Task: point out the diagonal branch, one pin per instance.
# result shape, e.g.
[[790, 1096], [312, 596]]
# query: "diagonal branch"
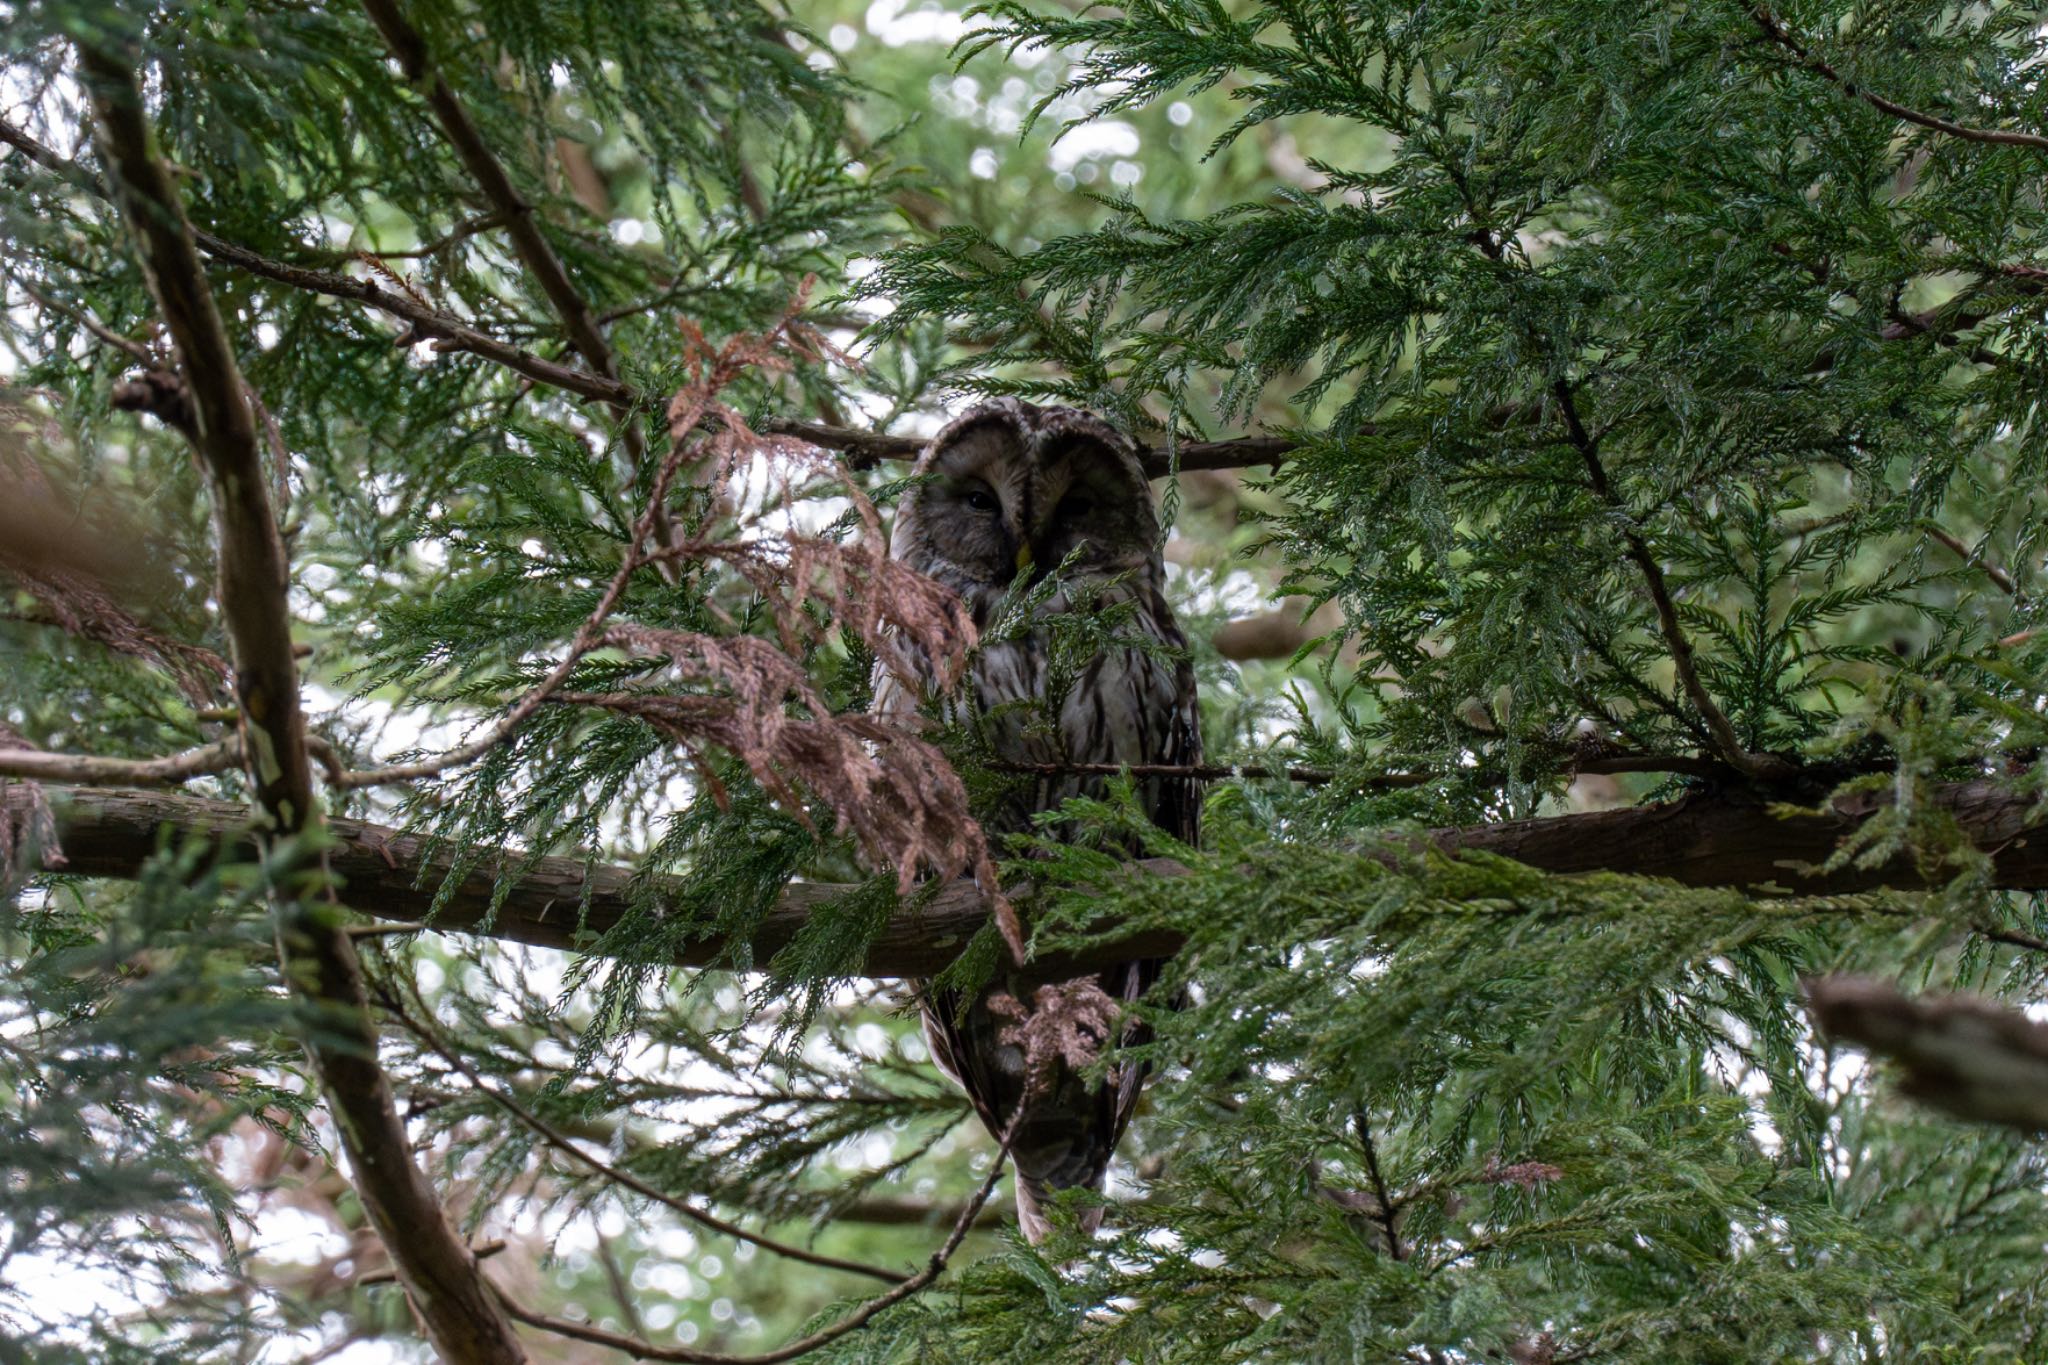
[[425, 323], [437, 1267], [1974, 558], [1972, 1057], [1719, 727], [520, 222], [1783, 37]]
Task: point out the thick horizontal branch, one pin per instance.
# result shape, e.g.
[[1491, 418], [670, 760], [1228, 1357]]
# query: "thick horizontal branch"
[[563, 903], [866, 449]]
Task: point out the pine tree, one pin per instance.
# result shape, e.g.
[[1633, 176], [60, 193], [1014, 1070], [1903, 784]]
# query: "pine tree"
[[460, 900]]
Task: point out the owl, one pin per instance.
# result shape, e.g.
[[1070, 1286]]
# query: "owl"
[[1014, 492]]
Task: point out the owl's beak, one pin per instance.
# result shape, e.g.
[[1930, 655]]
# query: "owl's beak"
[[1024, 558]]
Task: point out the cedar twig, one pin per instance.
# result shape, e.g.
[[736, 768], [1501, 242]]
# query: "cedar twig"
[[1387, 1214], [1783, 37], [641, 1349], [866, 449], [128, 346]]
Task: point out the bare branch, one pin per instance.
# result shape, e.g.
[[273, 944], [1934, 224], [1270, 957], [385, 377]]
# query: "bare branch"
[[1780, 35], [1971, 1057], [1973, 558], [87, 770], [438, 1268]]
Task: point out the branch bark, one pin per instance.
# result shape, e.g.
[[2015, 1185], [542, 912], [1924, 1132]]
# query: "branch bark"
[[1972, 1057], [565, 903], [866, 449], [464, 1320], [521, 225]]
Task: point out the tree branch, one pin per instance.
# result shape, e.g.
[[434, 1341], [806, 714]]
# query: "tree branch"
[[1973, 558], [415, 1020], [561, 902], [521, 224], [1719, 728], [425, 323], [89, 771], [1971, 1057], [866, 449], [437, 1267], [1778, 34]]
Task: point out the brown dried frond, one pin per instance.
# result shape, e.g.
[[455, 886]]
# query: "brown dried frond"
[[893, 792], [25, 819], [1527, 1174], [1066, 1024], [906, 619]]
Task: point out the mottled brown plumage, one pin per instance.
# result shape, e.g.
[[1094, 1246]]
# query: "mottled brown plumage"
[[1015, 489]]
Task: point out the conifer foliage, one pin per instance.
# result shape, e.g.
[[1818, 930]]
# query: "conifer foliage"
[[446, 455]]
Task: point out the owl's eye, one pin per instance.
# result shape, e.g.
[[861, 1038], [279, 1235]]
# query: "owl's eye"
[[981, 500], [1076, 507]]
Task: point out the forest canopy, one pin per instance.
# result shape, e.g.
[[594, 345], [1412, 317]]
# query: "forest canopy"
[[463, 902]]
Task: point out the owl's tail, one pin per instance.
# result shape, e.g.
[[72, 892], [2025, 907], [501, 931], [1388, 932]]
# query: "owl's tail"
[[1032, 1195]]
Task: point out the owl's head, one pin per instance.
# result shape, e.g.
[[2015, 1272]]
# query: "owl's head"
[[1015, 489]]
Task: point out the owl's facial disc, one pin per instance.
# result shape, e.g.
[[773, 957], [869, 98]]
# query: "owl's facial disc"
[[1009, 498], [973, 509], [1088, 503]]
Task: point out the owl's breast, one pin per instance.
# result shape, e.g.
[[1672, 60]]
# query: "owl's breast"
[[1130, 704]]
